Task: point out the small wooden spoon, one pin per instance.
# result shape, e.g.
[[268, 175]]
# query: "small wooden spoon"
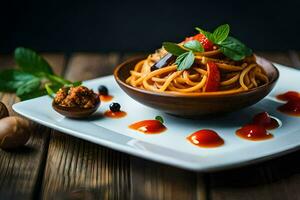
[[75, 112]]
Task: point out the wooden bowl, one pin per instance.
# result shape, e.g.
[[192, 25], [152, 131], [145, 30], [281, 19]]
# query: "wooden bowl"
[[195, 105], [74, 112]]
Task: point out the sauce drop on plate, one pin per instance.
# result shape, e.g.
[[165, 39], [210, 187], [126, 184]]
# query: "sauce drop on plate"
[[118, 114], [292, 106], [265, 120], [206, 138], [148, 126], [289, 96], [253, 132], [106, 98]]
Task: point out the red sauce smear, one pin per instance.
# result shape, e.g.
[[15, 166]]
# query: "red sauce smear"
[[118, 114], [292, 106], [289, 96], [106, 98], [206, 138], [265, 120], [253, 132], [148, 126]]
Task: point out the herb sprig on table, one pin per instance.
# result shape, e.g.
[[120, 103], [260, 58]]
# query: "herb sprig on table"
[[33, 76], [228, 45]]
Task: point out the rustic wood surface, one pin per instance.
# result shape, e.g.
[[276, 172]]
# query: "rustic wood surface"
[[54, 165], [22, 171]]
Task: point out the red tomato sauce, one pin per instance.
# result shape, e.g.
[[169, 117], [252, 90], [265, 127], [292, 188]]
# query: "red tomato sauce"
[[106, 98], [265, 120], [148, 126], [253, 132], [118, 114], [289, 96], [206, 138], [292, 106]]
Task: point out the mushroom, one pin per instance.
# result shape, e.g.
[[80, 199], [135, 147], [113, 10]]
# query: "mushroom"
[[3, 111], [14, 132]]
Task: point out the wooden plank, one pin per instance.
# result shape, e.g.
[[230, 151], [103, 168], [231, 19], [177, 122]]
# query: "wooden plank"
[[83, 66], [295, 58], [76, 168], [21, 171], [56, 60], [275, 179], [278, 57], [152, 180]]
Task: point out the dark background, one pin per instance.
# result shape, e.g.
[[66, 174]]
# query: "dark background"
[[143, 25]]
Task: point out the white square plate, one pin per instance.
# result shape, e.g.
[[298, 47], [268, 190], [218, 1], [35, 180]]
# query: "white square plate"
[[171, 146]]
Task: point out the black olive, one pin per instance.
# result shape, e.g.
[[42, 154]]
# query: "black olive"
[[102, 90], [115, 107]]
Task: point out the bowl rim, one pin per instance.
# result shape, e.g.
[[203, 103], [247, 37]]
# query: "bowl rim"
[[191, 95]]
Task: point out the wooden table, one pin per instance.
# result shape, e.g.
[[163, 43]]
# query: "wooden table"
[[54, 165]]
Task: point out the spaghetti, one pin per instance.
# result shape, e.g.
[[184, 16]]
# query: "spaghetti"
[[211, 71]]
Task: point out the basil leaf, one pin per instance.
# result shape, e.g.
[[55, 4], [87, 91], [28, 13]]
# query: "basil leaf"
[[232, 54], [33, 94], [159, 118], [207, 34], [234, 49], [194, 45], [28, 88], [173, 48], [12, 79], [185, 60], [221, 33], [30, 61]]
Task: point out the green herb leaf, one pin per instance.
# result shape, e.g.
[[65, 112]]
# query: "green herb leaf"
[[33, 94], [58, 80], [194, 45], [30, 61], [234, 49], [28, 88], [12, 79], [173, 48], [207, 34], [49, 90], [74, 84], [77, 83], [221, 33], [34, 70], [185, 60], [159, 118], [232, 54]]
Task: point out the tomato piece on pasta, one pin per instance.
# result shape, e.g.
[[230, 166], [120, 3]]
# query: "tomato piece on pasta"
[[207, 44], [213, 77]]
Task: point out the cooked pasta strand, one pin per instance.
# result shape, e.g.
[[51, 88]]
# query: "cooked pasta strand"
[[236, 76]]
